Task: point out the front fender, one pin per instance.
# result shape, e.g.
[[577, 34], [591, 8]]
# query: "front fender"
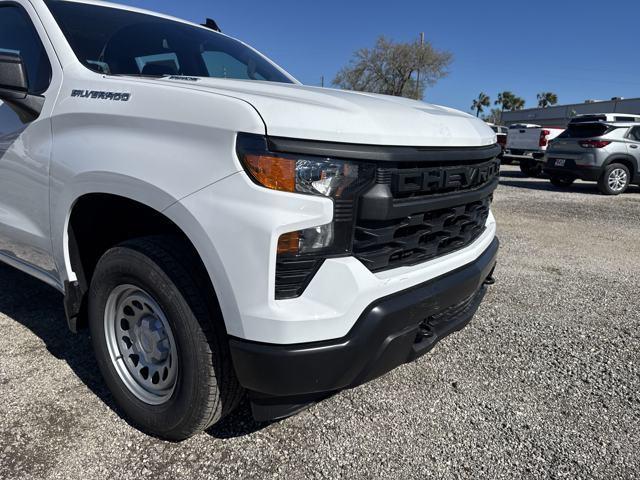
[[67, 195]]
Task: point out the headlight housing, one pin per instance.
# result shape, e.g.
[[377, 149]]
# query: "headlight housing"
[[340, 180]]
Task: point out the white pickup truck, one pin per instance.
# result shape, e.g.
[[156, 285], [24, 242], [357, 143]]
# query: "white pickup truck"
[[223, 229], [527, 143]]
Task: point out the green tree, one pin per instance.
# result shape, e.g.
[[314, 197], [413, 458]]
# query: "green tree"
[[508, 101], [392, 68], [518, 103], [546, 99], [479, 103]]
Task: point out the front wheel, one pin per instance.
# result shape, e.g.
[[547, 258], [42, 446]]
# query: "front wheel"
[[531, 168], [614, 180], [160, 348]]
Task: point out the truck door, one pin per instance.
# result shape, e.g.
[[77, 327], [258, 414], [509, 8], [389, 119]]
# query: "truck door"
[[25, 148]]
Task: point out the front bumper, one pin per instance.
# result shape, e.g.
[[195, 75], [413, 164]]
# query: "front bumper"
[[391, 331]]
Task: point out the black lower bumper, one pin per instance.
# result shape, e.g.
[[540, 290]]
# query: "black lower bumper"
[[572, 170], [397, 329]]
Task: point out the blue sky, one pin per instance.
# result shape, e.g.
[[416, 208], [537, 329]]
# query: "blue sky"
[[574, 48]]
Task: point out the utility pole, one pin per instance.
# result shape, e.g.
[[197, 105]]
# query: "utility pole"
[[322, 81], [418, 82]]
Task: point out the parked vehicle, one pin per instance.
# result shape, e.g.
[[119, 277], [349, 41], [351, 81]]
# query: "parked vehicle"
[[221, 227], [501, 138], [527, 143], [604, 151]]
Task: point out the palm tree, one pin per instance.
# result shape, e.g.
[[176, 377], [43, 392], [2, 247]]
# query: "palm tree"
[[546, 99], [505, 100], [479, 103], [517, 103], [508, 101]]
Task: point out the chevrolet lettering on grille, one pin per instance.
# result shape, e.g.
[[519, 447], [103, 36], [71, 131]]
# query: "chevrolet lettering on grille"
[[430, 180]]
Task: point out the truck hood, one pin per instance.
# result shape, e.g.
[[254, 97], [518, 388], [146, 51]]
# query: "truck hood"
[[297, 111]]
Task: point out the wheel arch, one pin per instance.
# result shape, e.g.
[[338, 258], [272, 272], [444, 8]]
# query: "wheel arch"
[[628, 161], [86, 237]]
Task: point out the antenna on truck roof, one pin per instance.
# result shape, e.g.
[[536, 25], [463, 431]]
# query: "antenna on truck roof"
[[211, 24]]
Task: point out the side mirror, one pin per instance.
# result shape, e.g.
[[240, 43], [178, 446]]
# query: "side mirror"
[[13, 77], [14, 88]]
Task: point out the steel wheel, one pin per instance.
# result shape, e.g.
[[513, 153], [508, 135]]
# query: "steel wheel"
[[141, 344], [617, 180]]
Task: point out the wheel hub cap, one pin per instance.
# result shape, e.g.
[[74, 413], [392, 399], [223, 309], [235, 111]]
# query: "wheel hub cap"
[[141, 344], [617, 179]]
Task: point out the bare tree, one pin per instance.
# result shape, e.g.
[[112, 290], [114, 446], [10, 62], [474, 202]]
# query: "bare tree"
[[495, 116], [392, 68]]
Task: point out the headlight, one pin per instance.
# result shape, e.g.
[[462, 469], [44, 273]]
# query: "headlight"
[[340, 180], [315, 176]]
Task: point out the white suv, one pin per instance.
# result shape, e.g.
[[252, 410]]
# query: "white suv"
[[222, 228]]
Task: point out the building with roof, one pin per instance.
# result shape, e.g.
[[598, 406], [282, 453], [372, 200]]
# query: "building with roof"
[[559, 115]]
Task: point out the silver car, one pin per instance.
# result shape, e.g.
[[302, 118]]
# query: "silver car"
[[607, 152]]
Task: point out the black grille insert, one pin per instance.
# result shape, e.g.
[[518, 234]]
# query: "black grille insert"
[[419, 211], [381, 245]]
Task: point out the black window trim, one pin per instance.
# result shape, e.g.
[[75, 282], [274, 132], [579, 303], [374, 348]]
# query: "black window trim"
[[24, 12]]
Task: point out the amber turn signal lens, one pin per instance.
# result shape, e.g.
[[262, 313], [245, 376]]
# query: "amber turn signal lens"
[[289, 243], [276, 173]]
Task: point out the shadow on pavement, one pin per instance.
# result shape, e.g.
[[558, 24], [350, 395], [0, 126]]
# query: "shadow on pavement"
[[39, 308], [511, 174], [544, 185], [238, 424]]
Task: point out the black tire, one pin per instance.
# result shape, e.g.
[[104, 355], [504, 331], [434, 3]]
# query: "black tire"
[[604, 184], [531, 168], [506, 160], [206, 388], [562, 182]]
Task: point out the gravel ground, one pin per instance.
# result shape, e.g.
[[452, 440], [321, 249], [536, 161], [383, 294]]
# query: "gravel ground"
[[544, 383]]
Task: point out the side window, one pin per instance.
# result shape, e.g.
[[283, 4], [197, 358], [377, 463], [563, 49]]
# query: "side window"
[[18, 35], [634, 134], [223, 65]]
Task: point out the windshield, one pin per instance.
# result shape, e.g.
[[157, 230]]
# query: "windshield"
[[119, 42]]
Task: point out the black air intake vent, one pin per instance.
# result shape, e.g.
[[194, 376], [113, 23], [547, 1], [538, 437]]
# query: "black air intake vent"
[[293, 276]]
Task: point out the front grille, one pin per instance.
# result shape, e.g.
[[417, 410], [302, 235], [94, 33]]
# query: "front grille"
[[414, 214], [381, 245]]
